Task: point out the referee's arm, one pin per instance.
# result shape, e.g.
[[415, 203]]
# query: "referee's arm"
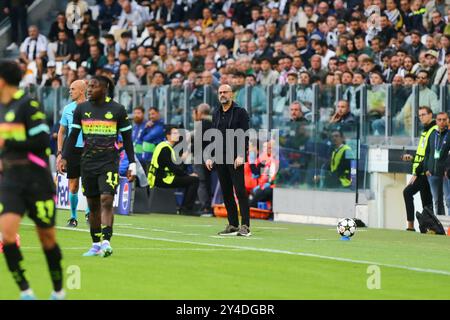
[[72, 138]]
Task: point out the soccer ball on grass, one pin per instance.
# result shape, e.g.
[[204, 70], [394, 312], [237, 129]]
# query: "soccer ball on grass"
[[346, 227]]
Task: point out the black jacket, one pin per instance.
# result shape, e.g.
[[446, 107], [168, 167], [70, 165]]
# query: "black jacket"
[[165, 160], [239, 119], [437, 167]]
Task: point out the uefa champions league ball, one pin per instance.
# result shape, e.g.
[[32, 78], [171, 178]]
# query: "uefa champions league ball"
[[346, 227]]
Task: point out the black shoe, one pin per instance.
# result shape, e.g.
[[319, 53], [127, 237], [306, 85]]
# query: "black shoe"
[[244, 231], [229, 231], [189, 212], [410, 229], [72, 223]]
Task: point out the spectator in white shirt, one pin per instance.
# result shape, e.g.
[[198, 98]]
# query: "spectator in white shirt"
[[34, 47], [323, 51], [74, 12], [131, 16]]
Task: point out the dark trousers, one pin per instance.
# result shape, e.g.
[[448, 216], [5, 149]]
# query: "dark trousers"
[[189, 183], [420, 185], [229, 178], [18, 16], [204, 188]]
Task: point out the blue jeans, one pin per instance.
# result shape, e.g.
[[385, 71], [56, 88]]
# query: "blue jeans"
[[440, 189]]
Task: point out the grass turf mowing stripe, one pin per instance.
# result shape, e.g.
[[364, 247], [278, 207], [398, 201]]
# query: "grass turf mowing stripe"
[[266, 250]]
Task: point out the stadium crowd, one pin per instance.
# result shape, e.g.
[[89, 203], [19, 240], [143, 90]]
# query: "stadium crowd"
[[252, 43]]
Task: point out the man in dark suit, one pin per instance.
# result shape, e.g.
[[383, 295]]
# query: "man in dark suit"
[[229, 118], [171, 13]]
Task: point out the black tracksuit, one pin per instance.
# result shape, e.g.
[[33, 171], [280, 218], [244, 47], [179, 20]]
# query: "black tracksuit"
[[181, 180], [229, 177], [420, 185]]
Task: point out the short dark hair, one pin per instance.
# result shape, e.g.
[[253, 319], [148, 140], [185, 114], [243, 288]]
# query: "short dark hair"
[[426, 108], [10, 72], [139, 108], [154, 109], [107, 83], [168, 129], [426, 72]]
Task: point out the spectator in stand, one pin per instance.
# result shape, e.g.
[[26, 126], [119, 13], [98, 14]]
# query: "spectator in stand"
[[75, 10], [96, 61], [82, 73], [441, 74], [304, 91], [316, 68], [376, 102], [393, 70], [18, 14], [343, 119], [416, 45], [152, 135], [427, 98], [267, 76], [437, 24], [414, 18], [81, 49], [296, 114], [65, 47], [34, 48], [131, 16], [88, 26], [265, 169], [432, 64], [171, 13], [59, 25], [49, 75], [109, 13]]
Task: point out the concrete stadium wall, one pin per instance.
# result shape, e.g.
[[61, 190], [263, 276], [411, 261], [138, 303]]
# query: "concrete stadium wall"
[[380, 206]]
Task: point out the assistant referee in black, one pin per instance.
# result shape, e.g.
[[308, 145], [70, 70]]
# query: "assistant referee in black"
[[230, 117]]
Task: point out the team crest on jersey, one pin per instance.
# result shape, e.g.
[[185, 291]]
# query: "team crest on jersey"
[[109, 115], [10, 116], [88, 114]]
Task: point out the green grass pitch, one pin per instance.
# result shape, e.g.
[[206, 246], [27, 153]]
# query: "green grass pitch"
[[178, 257]]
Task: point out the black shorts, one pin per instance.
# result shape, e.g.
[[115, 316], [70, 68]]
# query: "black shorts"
[[74, 164], [105, 182], [29, 189]]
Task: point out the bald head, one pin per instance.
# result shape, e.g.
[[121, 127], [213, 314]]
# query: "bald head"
[[78, 91], [225, 95]]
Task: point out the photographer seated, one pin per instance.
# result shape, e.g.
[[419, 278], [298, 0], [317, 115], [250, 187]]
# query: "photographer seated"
[[164, 171]]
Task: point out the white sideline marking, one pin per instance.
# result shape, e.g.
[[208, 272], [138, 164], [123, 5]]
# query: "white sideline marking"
[[235, 237], [197, 225], [357, 230], [267, 250], [150, 249], [158, 230], [167, 231]]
